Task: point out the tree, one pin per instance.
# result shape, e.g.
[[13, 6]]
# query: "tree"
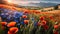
[[56, 7]]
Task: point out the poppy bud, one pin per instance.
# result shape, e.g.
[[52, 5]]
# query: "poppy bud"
[[3, 23], [24, 16], [11, 24], [26, 21], [55, 26], [42, 18]]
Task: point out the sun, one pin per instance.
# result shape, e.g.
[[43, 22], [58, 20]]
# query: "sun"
[[8, 1]]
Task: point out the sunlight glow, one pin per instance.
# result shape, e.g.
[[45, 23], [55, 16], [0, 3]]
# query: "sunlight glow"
[[8, 1]]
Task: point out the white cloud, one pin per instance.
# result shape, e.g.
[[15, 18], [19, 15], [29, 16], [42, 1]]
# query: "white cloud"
[[21, 2], [27, 2], [24, 2]]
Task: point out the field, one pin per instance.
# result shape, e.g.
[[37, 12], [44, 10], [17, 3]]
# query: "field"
[[15, 20]]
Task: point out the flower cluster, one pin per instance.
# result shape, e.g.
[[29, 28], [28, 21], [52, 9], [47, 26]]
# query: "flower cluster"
[[27, 22]]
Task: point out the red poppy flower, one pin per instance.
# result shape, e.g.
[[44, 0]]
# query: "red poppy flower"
[[26, 11], [13, 8], [11, 24], [13, 30], [37, 12], [3, 23], [56, 32], [43, 22], [10, 33], [55, 26], [46, 27], [51, 17], [26, 21], [33, 11], [24, 16], [1, 6], [42, 18]]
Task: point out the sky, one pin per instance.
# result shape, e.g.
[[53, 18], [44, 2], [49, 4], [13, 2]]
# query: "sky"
[[39, 0], [35, 1], [26, 2]]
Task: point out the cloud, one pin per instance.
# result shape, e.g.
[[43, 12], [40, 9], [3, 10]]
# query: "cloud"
[[26, 2]]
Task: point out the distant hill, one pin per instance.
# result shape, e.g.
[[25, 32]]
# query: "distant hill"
[[41, 4], [49, 0]]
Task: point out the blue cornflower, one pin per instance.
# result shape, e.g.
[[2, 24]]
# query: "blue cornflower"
[[17, 20], [8, 18], [3, 15], [5, 10], [22, 23]]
